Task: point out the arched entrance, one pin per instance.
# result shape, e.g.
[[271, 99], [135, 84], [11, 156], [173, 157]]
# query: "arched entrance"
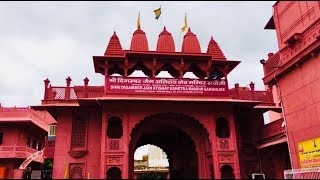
[[114, 173], [183, 138]]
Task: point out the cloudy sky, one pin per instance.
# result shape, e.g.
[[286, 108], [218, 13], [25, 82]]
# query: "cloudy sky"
[[54, 40]]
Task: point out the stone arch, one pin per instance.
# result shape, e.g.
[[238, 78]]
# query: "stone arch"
[[227, 172], [178, 123], [114, 173], [198, 123]]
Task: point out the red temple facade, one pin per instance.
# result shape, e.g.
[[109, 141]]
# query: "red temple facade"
[[293, 75], [207, 129]]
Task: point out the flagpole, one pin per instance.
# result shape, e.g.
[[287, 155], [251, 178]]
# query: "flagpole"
[[161, 16]]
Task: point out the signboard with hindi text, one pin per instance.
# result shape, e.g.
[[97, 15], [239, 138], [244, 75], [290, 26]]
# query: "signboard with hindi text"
[[167, 86], [309, 153]]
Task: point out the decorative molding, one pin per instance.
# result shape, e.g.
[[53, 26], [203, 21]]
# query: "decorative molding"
[[110, 160], [308, 38], [77, 153], [225, 158]]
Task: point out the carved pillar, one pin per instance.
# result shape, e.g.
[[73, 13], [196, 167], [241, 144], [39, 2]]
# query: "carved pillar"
[[106, 74], [225, 72], [126, 67], [67, 92], [208, 68], [181, 68], [103, 144], [46, 84], [233, 140], [125, 124], [85, 88], [213, 138], [154, 67], [252, 90]]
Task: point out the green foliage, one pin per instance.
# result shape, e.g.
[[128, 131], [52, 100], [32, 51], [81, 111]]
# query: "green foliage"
[[47, 165], [152, 175]]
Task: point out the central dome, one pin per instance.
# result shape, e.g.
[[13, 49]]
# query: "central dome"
[[165, 42], [190, 43]]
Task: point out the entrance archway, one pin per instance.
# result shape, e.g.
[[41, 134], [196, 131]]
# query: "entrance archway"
[[114, 173], [184, 139]]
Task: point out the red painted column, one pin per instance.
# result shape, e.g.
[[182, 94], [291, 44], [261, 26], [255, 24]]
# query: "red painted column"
[[233, 139], [103, 144], [214, 145]]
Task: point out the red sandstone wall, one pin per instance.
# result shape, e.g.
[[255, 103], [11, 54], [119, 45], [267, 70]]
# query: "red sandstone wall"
[[10, 134], [294, 17], [300, 90], [10, 164], [63, 140], [14, 134]]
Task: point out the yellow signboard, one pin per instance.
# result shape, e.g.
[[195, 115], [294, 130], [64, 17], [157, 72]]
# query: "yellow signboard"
[[309, 153]]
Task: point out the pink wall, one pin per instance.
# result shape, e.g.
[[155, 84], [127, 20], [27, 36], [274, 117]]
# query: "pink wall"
[[16, 134], [10, 133], [132, 114], [294, 17], [300, 90], [10, 164], [63, 140]]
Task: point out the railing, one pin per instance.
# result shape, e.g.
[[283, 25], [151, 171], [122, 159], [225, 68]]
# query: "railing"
[[24, 112], [71, 93], [224, 144], [243, 93], [16, 151], [114, 144], [272, 129], [272, 63]]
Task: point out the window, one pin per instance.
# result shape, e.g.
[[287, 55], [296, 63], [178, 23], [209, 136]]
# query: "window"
[[114, 129], [39, 147], [1, 137], [52, 130], [28, 141], [34, 144], [222, 128]]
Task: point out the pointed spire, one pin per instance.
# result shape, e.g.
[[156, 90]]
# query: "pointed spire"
[[114, 47], [138, 22], [214, 50]]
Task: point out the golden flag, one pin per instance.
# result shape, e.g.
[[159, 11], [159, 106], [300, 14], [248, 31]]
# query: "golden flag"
[[66, 173], [157, 13], [183, 29], [138, 22]]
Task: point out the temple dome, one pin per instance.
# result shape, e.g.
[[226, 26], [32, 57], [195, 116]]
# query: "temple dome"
[[214, 50], [165, 42], [139, 41], [190, 43], [114, 47]]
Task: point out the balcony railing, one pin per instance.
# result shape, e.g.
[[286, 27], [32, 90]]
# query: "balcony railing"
[[114, 144], [16, 152], [224, 144], [272, 129], [25, 112], [71, 93], [247, 94]]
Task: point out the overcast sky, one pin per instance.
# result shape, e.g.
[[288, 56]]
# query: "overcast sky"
[[54, 40]]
